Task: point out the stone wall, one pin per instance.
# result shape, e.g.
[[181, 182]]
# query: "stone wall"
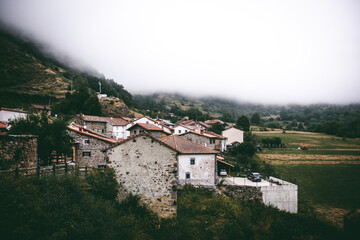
[[244, 193], [18, 151], [147, 168], [99, 127], [95, 148], [198, 139]]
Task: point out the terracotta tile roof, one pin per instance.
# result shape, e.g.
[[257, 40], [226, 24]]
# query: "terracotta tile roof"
[[3, 125], [147, 126], [140, 135], [110, 120], [127, 119], [221, 159], [77, 128], [12, 110], [185, 146], [41, 107], [189, 122]]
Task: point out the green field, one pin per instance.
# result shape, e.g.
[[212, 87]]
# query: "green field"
[[327, 175]]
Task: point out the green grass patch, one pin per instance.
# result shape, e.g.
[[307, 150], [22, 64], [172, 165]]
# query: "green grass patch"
[[328, 185]]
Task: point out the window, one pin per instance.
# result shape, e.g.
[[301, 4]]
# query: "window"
[[87, 141], [179, 131], [212, 141], [86, 154], [187, 175], [192, 161], [134, 132]]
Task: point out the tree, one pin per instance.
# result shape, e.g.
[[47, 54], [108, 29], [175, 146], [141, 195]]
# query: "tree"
[[52, 135], [227, 117], [243, 123], [92, 106], [216, 128], [255, 119]]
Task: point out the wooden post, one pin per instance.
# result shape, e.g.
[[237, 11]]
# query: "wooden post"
[[86, 169], [66, 167], [38, 170], [54, 169], [16, 172]]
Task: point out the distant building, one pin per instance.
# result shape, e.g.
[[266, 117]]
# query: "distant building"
[[207, 139], [89, 145], [38, 109], [233, 135], [8, 114], [148, 120], [152, 129]]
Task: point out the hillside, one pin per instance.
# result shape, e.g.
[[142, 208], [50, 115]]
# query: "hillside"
[[27, 75]]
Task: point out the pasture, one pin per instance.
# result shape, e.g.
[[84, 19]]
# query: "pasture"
[[327, 174]]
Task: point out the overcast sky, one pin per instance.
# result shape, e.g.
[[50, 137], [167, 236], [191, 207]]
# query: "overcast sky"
[[268, 51]]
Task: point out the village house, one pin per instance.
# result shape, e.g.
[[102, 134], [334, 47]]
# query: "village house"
[[196, 163], [234, 136], [89, 145], [109, 126], [207, 139], [148, 120], [38, 109], [152, 129], [8, 114], [147, 167]]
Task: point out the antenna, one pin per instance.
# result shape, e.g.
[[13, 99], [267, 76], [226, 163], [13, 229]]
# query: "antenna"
[[99, 87]]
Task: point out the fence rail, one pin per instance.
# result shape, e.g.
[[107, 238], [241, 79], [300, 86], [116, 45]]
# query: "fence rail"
[[53, 169]]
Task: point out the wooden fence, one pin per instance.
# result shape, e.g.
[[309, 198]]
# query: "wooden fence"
[[53, 169]]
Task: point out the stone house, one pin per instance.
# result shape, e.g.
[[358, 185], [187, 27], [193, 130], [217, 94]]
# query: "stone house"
[[89, 145], [18, 151], [196, 163], [147, 167], [38, 109], [8, 114], [233, 135], [148, 120], [109, 126], [207, 139], [152, 129]]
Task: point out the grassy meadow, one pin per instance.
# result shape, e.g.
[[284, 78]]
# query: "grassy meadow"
[[327, 174]]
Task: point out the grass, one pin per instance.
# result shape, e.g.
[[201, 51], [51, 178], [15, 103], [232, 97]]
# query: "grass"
[[328, 189]]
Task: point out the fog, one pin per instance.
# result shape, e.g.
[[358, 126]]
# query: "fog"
[[279, 51]]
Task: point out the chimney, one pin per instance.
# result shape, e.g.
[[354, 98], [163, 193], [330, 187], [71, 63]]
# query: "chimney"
[[147, 124]]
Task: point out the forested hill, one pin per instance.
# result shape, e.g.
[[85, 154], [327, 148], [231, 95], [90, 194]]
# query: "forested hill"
[[27, 75], [340, 120]]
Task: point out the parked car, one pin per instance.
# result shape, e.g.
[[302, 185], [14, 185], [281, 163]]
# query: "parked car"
[[223, 173], [254, 177]]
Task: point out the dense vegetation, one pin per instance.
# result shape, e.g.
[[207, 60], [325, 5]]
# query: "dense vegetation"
[[69, 207], [53, 137]]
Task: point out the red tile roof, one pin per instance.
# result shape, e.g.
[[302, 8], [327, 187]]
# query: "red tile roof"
[[41, 107], [221, 159], [140, 135], [148, 127], [110, 120], [12, 110], [76, 128], [3, 125], [185, 146]]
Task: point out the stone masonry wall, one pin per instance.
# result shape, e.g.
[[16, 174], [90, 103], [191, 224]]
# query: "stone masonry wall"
[[147, 168], [18, 151], [244, 193], [198, 139], [95, 147]]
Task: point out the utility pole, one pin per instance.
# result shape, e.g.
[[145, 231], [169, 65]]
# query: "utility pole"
[[99, 87]]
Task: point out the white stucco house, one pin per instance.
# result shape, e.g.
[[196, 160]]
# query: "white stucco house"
[[8, 115], [233, 135], [196, 163]]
